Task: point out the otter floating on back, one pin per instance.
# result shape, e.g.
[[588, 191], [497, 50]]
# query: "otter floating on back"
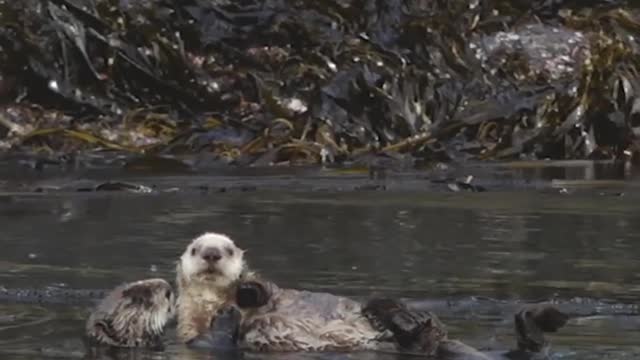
[[214, 283], [206, 274], [132, 315]]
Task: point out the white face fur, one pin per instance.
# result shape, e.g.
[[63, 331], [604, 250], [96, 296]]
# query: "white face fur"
[[212, 257]]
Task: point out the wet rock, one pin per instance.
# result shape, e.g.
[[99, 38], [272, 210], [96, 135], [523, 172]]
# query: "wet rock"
[[463, 184], [533, 51], [122, 186]]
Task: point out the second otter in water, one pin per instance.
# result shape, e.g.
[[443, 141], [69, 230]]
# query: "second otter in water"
[[207, 274], [132, 315]]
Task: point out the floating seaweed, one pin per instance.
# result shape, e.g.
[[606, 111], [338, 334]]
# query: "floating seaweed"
[[283, 82]]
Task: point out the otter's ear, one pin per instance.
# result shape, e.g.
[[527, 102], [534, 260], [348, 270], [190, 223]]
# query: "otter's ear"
[[140, 295]]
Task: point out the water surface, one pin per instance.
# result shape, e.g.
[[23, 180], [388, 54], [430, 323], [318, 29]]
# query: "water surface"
[[506, 244]]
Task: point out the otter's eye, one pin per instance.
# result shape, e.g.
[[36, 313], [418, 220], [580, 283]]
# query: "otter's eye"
[[229, 251], [193, 251]]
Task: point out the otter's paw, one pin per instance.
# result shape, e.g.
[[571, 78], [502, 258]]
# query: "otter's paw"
[[227, 321], [532, 322], [379, 312], [548, 318], [251, 294], [223, 331], [410, 322]]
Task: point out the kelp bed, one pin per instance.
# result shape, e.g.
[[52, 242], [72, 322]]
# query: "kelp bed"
[[251, 82]]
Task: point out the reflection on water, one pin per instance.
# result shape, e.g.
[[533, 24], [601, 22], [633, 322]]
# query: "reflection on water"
[[508, 245]]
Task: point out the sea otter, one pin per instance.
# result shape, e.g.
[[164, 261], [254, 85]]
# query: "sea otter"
[[205, 277], [210, 270], [217, 292], [132, 315]]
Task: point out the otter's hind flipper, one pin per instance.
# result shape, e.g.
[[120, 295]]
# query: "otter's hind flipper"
[[413, 330], [223, 332], [252, 294], [532, 322]]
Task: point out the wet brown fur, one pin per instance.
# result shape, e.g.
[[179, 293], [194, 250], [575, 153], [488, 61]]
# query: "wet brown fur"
[[132, 315], [297, 320]]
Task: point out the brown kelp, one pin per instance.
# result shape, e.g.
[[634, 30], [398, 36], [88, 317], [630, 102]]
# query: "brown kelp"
[[304, 82]]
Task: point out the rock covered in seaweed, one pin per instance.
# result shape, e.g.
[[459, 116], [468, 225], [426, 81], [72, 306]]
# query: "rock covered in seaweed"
[[287, 82]]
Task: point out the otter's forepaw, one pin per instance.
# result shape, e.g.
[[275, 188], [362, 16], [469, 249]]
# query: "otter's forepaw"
[[379, 312], [226, 320], [223, 331], [251, 294], [409, 322], [548, 318], [532, 322]]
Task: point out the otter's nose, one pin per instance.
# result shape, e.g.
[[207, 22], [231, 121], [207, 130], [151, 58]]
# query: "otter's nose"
[[211, 255]]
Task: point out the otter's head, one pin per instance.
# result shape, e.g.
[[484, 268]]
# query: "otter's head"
[[211, 258], [133, 314]]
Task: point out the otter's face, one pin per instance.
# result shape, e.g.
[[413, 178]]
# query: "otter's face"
[[212, 257]]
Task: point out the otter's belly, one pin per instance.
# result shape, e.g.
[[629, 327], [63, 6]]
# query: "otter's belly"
[[307, 321]]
